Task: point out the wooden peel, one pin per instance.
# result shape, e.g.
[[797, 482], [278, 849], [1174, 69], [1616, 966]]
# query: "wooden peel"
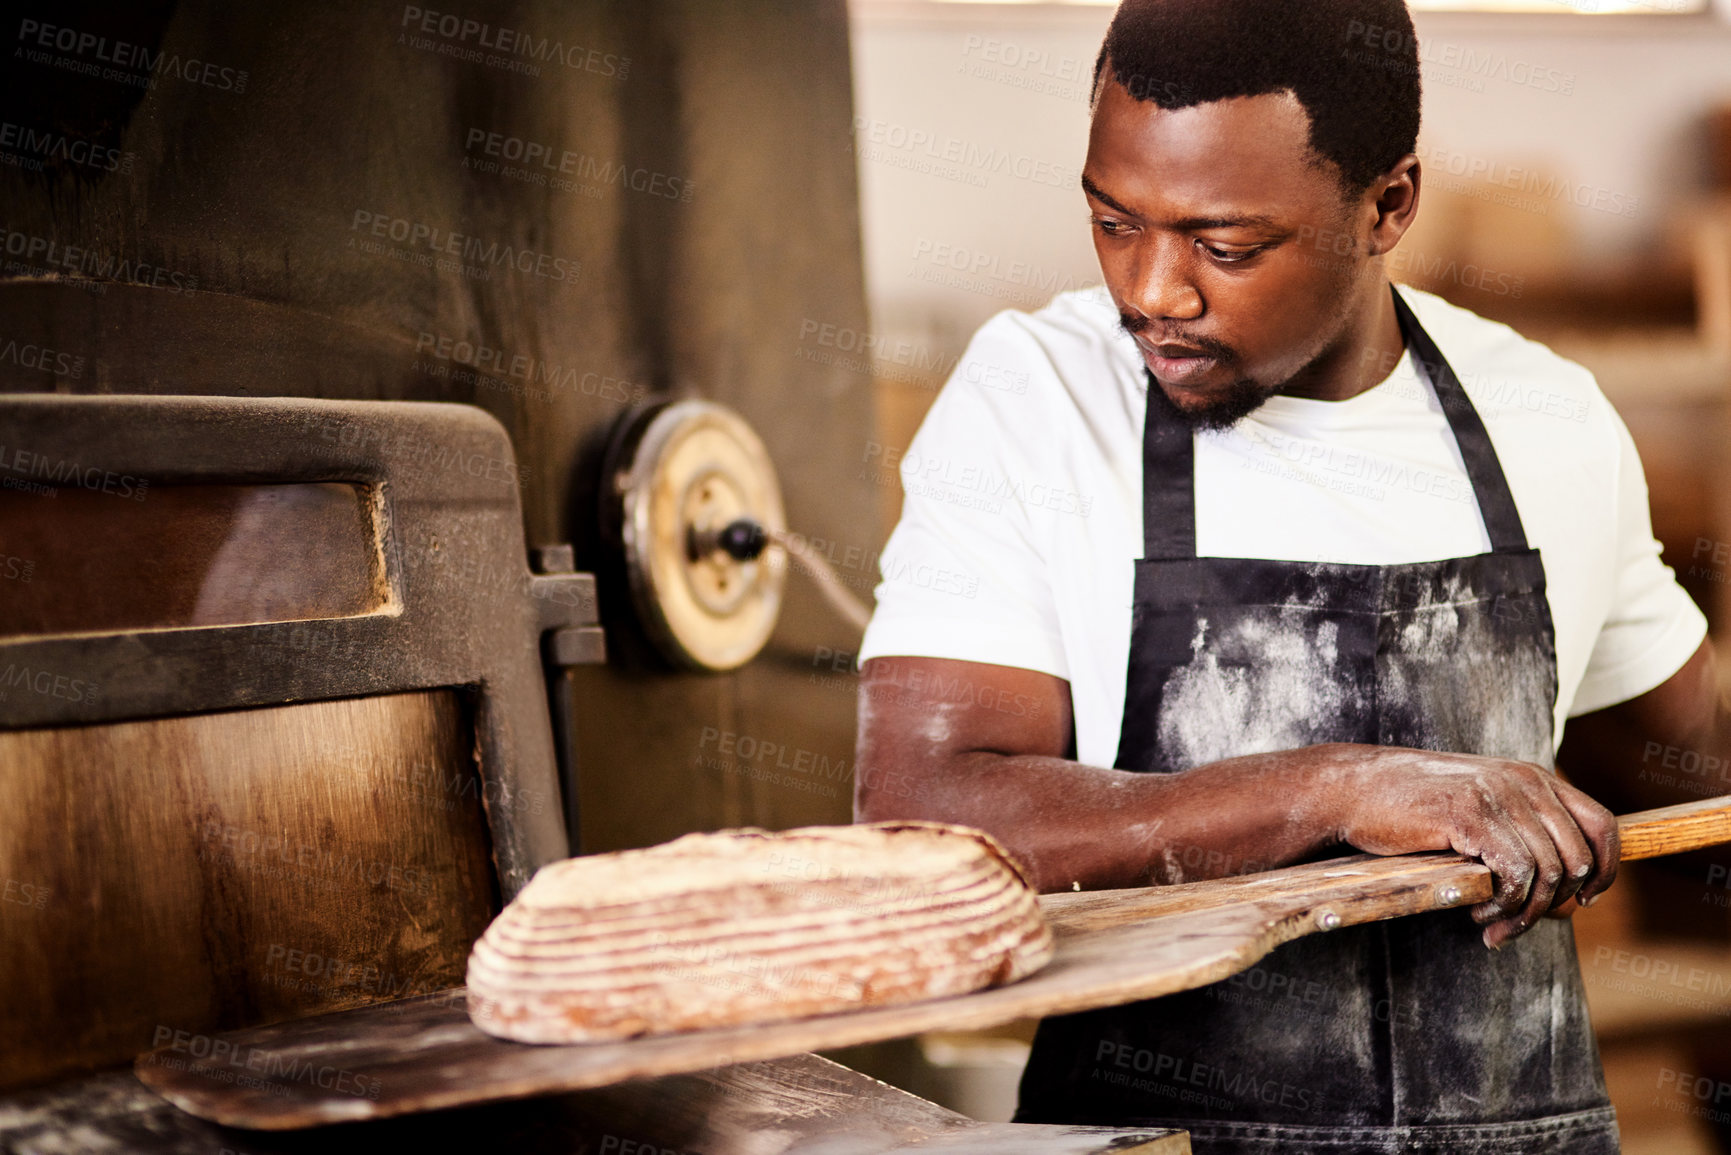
[[1113, 947], [1644, 834], [1675, 829]]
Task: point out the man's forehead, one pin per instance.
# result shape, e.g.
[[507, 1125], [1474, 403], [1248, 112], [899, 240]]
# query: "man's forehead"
[[1243, 149]]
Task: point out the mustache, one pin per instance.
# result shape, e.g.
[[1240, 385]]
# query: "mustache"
[[1138, 326]]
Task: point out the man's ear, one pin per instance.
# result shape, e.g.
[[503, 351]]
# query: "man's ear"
[[1392, 203]]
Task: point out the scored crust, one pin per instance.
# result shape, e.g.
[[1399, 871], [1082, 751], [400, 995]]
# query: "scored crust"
[[747, 926]]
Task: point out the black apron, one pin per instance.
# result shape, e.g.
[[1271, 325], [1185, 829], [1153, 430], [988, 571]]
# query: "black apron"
[[1399, 1036]]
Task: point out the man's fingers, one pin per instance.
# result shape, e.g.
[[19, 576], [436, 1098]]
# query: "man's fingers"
[[1501, 932], [1526, 867], [1599, 826], [1569, 841], [1548, 875], [1514, 908], [1512, 872]]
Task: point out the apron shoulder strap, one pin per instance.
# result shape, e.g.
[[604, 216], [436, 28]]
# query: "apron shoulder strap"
[[1168, 484], [1485, 470]]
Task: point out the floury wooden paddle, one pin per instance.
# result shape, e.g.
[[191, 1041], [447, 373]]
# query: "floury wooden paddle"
[[1113, 947]]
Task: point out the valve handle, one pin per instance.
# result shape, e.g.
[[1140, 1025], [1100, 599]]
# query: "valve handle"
[[743, 539]]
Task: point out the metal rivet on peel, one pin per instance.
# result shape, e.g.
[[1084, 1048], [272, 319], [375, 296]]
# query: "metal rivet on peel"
[[1449, 895], [1328, 920]]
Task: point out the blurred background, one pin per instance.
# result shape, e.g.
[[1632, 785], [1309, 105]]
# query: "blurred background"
[[803, 209]]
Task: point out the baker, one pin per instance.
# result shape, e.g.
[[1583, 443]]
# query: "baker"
[[1287, 563]]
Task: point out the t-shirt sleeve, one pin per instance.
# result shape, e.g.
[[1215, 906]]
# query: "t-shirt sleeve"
[[963, 576], [1654, 626]]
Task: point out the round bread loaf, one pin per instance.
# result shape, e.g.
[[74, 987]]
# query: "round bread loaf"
[[747, 926]]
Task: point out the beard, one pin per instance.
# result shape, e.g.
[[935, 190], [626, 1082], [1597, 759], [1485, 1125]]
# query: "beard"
[[1241, 398]]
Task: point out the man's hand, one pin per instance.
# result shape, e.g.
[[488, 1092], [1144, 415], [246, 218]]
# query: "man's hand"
[[1544, 841]]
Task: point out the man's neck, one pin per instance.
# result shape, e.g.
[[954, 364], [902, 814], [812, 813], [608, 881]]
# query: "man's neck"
[[1367, 351]]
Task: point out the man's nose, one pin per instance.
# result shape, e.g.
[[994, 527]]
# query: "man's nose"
[[1165, 286]]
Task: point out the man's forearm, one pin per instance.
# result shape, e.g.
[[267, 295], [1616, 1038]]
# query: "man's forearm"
[[936, 742], [1082, 826], [1630, 769], [1670, 745]]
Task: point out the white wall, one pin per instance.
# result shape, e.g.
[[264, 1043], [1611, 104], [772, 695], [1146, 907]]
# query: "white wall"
[[970, 161]]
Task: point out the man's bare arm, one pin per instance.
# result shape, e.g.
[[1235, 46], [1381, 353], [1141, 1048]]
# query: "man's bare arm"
[[1671, 744], [984, 745]]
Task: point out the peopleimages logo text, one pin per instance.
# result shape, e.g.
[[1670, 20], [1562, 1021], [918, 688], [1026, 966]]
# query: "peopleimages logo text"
[[132, 63], [461, 31], [483, 254]]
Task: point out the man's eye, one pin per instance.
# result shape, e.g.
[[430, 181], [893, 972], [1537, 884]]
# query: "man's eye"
[[1109, 227], [1227, 256]]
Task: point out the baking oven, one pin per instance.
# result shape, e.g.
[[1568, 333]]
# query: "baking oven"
[[283, 723]]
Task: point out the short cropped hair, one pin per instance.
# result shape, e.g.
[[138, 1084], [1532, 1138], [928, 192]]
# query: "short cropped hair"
[[1352, 64]]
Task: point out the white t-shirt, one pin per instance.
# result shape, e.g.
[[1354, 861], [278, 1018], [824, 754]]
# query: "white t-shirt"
[[1023, 510]]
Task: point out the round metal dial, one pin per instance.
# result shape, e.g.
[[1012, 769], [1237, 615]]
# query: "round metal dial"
[[698, 471]]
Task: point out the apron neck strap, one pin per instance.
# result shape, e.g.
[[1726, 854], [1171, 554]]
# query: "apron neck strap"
[[1168, 485], [1484, 468], [1169, 459]]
